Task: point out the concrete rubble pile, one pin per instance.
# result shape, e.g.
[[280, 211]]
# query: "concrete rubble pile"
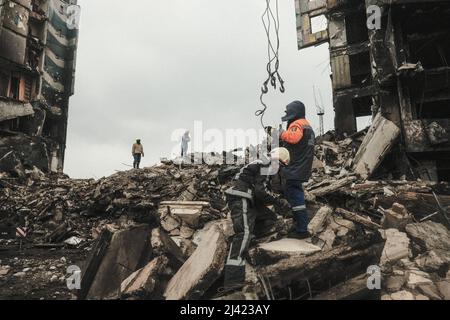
[[162, 232]]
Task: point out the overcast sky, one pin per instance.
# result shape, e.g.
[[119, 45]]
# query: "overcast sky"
[[146, 68]]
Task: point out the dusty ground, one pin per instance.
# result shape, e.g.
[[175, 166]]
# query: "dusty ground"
[[36, 274]]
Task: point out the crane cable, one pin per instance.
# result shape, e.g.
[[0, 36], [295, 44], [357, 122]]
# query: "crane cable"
[[273, 56]]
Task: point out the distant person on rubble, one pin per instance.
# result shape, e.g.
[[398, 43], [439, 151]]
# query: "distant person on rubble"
[[247, 200], [185, 143], [299, 139], [137, 151]]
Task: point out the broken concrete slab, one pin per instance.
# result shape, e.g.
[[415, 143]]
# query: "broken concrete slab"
[[143, 282], [444, 289], [203, 268], [300, 247], [395, 248], [163, 245], [377, 143], [10, 109], [128, 250], [430, 290], [317, 223], [224, 224]]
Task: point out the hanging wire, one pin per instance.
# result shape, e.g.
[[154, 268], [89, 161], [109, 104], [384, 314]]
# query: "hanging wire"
[[268, 18]]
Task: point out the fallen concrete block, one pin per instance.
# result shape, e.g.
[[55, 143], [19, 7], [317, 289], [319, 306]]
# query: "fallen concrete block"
[[317, 223], [188, 211], [170, 223], [376, 145], [143, 282], [128, 250], [396, 217], [395, 248], [200, 271], [163, 245], [93, 262]]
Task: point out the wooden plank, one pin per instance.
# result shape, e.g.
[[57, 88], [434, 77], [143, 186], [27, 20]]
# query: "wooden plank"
[[358, 219], [335, 185]]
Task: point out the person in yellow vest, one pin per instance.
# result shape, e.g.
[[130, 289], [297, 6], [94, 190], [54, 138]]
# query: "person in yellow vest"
[[137, 151]]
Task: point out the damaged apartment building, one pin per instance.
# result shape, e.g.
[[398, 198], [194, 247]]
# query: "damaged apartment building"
[[389, 58], [37, 65]]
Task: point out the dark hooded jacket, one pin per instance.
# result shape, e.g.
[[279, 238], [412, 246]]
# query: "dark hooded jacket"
[[254, 183], [299, 139]]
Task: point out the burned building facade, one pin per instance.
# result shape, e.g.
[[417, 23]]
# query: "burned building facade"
[[38, 42], [389, 57]]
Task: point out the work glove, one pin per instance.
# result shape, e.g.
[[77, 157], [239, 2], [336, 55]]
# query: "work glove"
[[283, 207]]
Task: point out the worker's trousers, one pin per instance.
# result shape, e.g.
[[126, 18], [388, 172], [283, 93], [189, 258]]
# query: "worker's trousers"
[[296, 197], [137, 160], [243, 217], [247, 219]]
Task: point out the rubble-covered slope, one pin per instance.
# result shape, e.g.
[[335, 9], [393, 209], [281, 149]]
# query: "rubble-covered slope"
[[161, 233]]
